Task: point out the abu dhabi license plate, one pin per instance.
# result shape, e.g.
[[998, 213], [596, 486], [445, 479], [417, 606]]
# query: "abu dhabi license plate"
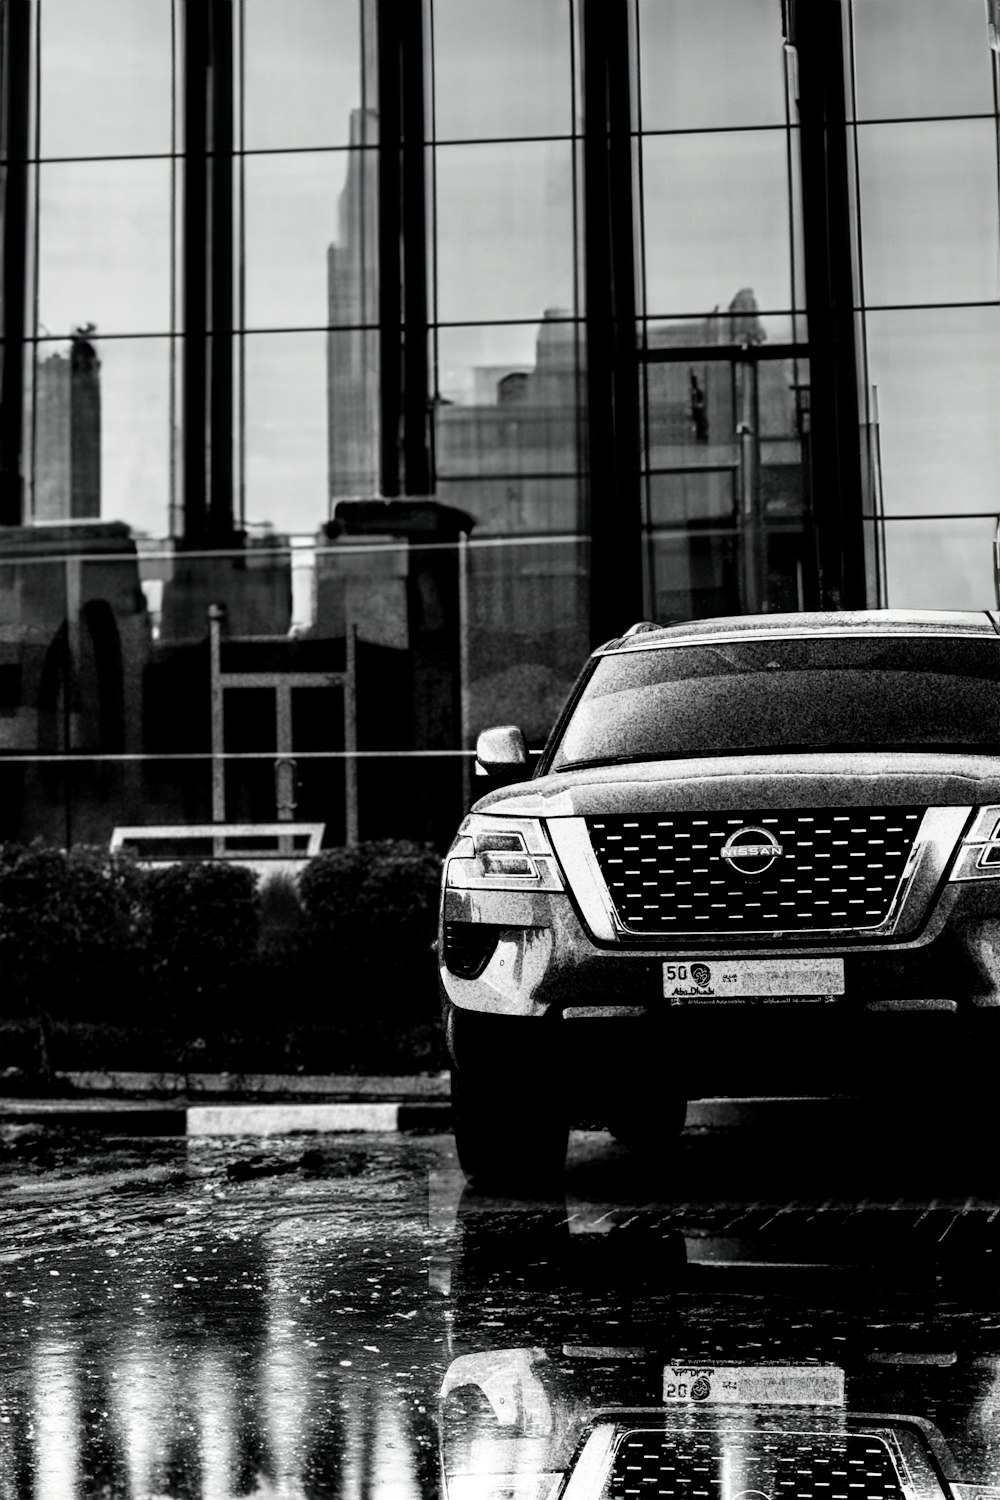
[[779, 981]]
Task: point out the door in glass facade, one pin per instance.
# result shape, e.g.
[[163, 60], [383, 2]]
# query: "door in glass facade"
[[726, 479]]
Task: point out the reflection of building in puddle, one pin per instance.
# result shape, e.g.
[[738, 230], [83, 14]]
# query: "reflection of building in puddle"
[[56, 1402], [224, 1369]]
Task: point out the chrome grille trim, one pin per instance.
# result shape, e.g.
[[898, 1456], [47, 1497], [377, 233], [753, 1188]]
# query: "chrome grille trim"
[[929, 855], [834, 868]]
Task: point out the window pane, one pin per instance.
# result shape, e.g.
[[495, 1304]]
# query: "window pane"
[[716, 65], [938, 378], [514, 505], [501, 69], [110, 96], [310, 239], [353, 395], [302, 72], [716, 221], [694, 576], [287, 423], [940, 564], [504, 231], [511, 399], [104, 246], [929, 211], [527, 632], [102, 432], [921, 57]]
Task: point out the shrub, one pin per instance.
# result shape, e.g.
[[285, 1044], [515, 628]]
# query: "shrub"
[[281, 910], [70, 936], [385, 891], [203, 923], [70, 927], [372, 911]]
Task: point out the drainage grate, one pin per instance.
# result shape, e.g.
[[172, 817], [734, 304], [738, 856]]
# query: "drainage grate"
[[754, 1465], [834, 868]]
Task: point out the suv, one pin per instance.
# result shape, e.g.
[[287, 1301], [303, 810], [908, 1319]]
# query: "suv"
[[756, 855]]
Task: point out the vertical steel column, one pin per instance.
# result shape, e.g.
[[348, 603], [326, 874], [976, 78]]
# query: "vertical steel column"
[[351, 737], [835, 439], [616, 591], [16, 20], [207, 293], [284, 766], [464, 681], [219, 345], [216, 615], [405, 466]]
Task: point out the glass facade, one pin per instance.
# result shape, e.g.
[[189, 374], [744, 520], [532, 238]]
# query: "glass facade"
[[365, 363], [925, 127]]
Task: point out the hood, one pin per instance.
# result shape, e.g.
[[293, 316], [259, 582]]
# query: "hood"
[[740, 782]]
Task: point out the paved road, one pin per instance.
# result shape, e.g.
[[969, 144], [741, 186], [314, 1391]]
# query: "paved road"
[[237, 1318]]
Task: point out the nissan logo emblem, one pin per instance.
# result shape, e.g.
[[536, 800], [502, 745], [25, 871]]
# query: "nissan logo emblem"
[[751, 851]]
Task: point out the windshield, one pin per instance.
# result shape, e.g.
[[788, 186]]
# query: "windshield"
[[801, 693]]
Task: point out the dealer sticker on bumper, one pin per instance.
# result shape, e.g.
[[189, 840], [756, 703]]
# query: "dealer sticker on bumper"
[[754, 1385], [692, 981]]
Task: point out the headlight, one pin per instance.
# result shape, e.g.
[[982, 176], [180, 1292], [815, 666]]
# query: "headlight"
[[979, 855], [502, 854]]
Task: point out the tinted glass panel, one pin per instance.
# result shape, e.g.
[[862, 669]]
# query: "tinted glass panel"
[[504, 230], [715, 65], [104, 246], [716, 221], [302, 71], [693, 575], [518, 504], [102, 432], [938, 378], [353, 396], [942, 563], [527, 631], [501, 69], [310, 238], [783, 694], [106, 69], [929, 211], [920, 57], [287, 429], [513, 414]]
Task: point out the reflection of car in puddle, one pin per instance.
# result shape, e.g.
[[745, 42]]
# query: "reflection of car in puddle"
[[591, 1356], [517, 1423]]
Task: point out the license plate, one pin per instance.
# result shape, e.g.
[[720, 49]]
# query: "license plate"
[[754, 1385], [693, 981]]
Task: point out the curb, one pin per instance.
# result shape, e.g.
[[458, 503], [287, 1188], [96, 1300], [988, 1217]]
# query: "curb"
[[408, 1116], [126, 1117]]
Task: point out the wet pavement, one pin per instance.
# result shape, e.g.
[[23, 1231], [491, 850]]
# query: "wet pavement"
[[338, 1316]]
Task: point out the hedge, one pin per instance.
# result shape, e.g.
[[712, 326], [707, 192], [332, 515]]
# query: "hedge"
[[200, 963]]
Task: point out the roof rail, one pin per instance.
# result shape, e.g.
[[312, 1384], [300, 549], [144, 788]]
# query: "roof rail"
[[640, 628]]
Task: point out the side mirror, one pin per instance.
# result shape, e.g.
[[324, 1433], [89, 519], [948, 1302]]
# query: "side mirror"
[[502, 754]]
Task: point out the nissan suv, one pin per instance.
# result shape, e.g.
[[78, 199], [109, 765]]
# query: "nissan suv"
[[757, 855]]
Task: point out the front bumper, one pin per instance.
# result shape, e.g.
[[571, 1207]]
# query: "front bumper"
[[544, 960]]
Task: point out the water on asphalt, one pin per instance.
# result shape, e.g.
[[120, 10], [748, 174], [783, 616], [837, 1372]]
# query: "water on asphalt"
[[339, 1316]]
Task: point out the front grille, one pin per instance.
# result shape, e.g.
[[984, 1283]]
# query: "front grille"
[[838, 868], [783, 1465]]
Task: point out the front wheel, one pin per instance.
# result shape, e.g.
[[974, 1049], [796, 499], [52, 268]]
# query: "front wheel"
[[509, 1138]]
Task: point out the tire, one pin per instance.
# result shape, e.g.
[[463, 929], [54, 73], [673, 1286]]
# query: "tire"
[[510, 1138]]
